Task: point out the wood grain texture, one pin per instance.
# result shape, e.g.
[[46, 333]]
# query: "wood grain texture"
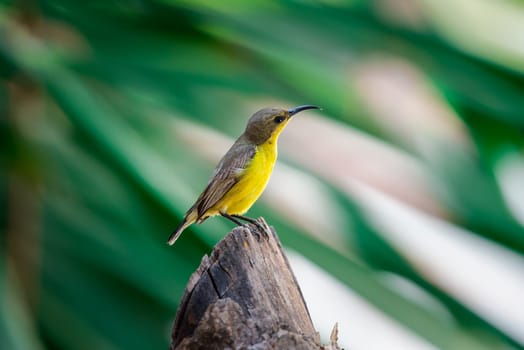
[[244, 296]]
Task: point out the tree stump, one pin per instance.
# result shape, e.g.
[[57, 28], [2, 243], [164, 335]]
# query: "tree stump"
[[245, 296]]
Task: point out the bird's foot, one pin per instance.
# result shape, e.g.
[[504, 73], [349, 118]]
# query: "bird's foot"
[[265, 227], [261, 226], [232, 218]]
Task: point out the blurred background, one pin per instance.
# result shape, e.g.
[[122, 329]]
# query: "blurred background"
[[400, 204]]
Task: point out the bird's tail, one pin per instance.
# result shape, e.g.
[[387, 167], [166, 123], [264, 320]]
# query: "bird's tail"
[[189, 218], [177, 232]]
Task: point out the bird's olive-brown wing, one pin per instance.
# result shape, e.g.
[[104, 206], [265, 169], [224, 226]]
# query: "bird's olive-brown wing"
[[226, 175]]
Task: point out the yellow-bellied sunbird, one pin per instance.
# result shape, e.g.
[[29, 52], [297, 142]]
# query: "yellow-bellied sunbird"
[[243, 172]]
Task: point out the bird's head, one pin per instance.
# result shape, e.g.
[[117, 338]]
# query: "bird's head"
[[266, 124]]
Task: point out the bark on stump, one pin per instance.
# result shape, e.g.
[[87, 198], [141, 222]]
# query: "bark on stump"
[[245, 296]]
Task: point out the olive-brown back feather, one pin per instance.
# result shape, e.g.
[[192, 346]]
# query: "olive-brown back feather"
[[226, 175]]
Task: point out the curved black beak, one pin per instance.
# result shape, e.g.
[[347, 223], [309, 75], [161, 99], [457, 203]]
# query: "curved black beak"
[[298, 109]]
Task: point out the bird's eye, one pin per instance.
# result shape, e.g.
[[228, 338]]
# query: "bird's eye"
[[279, 119]]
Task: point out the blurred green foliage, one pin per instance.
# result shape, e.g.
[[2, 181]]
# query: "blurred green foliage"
[[94, 177]]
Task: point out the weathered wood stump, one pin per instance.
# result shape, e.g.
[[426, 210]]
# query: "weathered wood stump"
[[245, 296]]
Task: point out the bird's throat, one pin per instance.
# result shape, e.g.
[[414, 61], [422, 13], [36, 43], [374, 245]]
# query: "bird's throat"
[[274, 136]]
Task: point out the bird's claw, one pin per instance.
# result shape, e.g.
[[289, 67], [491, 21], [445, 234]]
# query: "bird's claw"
[[263, 227]]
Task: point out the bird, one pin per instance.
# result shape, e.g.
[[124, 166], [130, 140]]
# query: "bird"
[[243, 172]]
